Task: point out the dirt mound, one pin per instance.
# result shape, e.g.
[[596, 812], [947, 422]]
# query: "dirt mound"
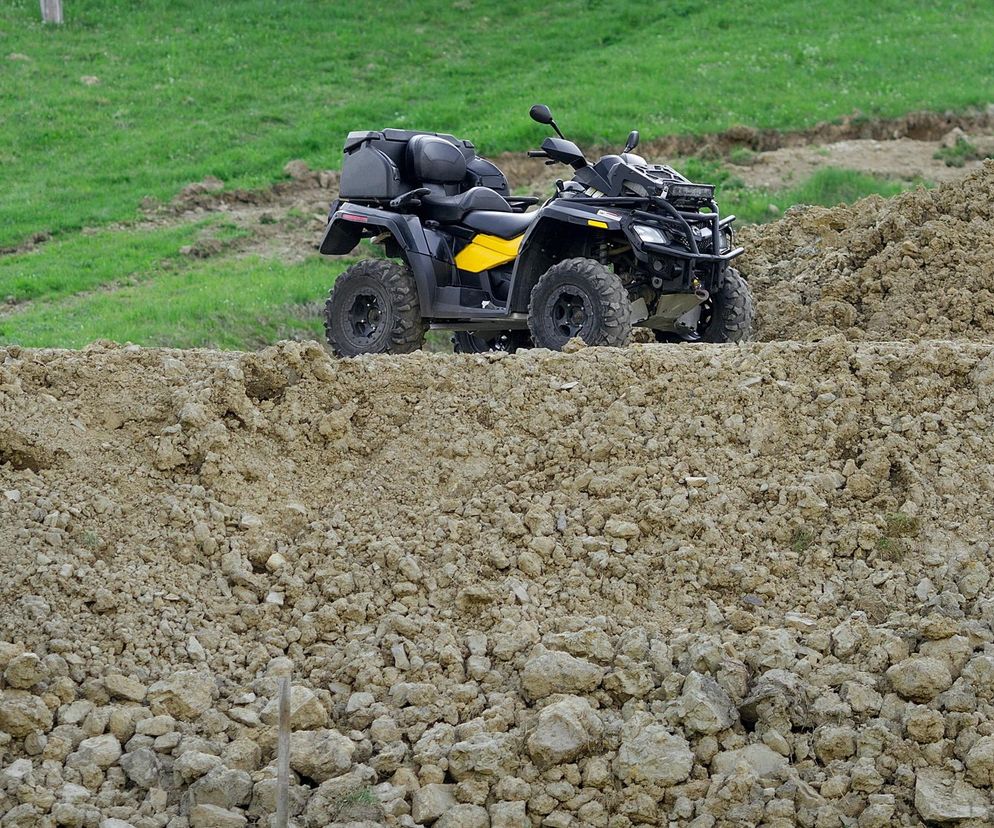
[[697, 586], [919, 266]]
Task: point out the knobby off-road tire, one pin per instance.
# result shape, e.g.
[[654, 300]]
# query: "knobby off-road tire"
[[373, 309], [579, 298], [732, 312], [466, 342]]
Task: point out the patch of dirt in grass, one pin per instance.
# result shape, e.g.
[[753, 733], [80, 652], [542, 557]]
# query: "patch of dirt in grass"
[[904, 159], [901, 148]]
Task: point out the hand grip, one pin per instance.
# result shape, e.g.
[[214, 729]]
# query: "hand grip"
[[537, 154], [411, 197]]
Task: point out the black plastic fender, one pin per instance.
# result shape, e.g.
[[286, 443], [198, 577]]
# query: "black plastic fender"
[[348, 223], [549, 239]]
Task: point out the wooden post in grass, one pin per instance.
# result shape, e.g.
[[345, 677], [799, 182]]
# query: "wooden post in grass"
[[283, 757], [51, 11]]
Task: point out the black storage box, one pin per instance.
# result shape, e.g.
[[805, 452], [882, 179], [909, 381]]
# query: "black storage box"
[[375, 166]]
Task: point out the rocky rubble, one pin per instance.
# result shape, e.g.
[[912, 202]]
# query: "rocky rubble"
[[697, 586], [919, 266]]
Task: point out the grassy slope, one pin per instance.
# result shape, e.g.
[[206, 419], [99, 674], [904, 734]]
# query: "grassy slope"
[[225, 303], [189, 88]]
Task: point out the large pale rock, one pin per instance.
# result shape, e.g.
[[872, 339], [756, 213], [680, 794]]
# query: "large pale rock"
[[940, 797], [22, 713], [142, 767], [566, 729], [590, 643], [183, 695], [953, 650], [464, 816], [920, 679], [512, 638], [980, 673], [125, 687], [24, 671], [973, 578], [431, 801], [650, 753], [211, 816], [704, 707], [629, 679], [265, 793], [833, 742], [487, 755], [306, 710], [103, 751], [508, 815], [980, 762], [778, 697], [320, 754], [222, 787], [550, 671], [15, 773], [326, 805], [192, 764], [759, 758]]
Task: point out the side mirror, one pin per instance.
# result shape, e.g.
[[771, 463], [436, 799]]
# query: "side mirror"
[[633, 140], [541, 113]]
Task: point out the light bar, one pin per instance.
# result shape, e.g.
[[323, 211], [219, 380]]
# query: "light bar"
[[693, 191]]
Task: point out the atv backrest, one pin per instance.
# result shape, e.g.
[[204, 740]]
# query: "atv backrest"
[[381, 165], [434, 160]]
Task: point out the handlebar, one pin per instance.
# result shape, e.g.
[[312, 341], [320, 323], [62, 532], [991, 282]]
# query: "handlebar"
[[537, 154]]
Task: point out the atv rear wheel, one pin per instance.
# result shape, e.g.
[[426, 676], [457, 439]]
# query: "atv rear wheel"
[[731, 312], [373, 309], [465, 342], [579, 298]]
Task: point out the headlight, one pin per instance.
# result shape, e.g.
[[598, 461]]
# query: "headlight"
[[649, 234]]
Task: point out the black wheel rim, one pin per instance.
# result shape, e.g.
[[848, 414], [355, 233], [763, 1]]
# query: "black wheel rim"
[[365, 315], [502, 342], [570, 311]]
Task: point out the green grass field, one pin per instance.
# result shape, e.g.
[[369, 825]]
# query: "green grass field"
[[189, 88], [135, 100], [229, 303]]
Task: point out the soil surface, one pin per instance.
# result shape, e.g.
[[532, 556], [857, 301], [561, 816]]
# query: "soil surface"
[[693, 586], [919, 266]]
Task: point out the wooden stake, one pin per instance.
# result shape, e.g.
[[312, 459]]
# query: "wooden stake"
[[51, 11], [283, 757]]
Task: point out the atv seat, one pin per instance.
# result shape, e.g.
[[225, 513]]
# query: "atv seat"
[[504, 225], [449, 209]]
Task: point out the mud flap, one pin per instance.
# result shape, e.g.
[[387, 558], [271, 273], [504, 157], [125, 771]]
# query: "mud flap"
[[340, 237]]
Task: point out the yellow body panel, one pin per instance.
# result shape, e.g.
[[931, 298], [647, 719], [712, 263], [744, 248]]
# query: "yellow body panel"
[[485, 252], [601, 224]]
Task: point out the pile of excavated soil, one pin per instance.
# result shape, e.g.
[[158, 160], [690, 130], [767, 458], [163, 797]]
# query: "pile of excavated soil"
[[694, 586], [919, 266]]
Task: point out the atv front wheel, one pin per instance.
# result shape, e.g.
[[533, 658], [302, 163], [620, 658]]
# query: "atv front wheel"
[[373, 309], [731, 311], [465, 342], [579, 298]]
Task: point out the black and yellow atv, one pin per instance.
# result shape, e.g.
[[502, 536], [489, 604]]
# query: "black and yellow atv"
[[622, 244]]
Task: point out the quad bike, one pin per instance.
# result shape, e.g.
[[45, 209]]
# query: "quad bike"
[[622, 244]]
